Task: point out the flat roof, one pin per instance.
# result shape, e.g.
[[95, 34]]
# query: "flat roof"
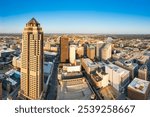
[[50, 53], [74, 89], [139, 85], [118, 69], [7, 50], [13, 82], [11, 72], [47, 67], [96, 77], [89, 62]]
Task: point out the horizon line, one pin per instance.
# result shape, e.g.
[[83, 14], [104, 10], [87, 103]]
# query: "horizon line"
[[86, 33]]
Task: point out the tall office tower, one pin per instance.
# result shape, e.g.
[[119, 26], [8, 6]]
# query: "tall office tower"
[[106, 52], [85, 45], [72, 54], [32, 61], [143, 72], [99, 46], [0, 90], [91, 52], [64, 49]]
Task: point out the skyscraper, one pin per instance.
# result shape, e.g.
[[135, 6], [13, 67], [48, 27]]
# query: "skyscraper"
[[80, 51], [106, 52], [91, 52], [99, 46], [32, 61], [64, 49]]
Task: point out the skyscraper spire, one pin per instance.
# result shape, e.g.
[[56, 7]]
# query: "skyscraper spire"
[[32, 61], [33, 22]]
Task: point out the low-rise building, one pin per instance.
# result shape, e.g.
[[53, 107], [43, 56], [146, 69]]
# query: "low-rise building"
[[89, 65], [143, 59], [130, 66], [5, 52], [48, 68], [74, 89], [118, 77], [12, 80], [16, 62], [138, 89], [105, 78]]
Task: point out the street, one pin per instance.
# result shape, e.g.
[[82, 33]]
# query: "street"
[[52, 87]]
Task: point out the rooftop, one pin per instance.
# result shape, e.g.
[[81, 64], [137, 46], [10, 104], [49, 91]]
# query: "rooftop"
[[13, 77], [50, 53], [118, 69], [74, 89], [47, 67], [7, 50], [89, 62], [96, 77], [139, 85]]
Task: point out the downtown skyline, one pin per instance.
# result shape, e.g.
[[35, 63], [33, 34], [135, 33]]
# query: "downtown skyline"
[[102, 17]]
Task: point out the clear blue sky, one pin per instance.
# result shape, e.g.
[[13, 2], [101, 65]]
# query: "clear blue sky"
[[77, 16]]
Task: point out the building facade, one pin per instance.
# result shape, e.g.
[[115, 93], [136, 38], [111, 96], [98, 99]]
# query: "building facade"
[[118, 77], [99, 46], [91, 52], [80, 51], [130, 66], [106, 52], [138, 89], [143, 72], [64, 49], [72, 54], [89, 65], [32, 61]]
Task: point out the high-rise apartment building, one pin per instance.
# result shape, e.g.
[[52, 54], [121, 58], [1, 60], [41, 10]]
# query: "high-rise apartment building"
[[32, 61], [64, 49]]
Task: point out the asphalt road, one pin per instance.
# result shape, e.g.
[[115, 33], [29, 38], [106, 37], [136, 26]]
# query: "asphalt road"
[[52, 87]]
